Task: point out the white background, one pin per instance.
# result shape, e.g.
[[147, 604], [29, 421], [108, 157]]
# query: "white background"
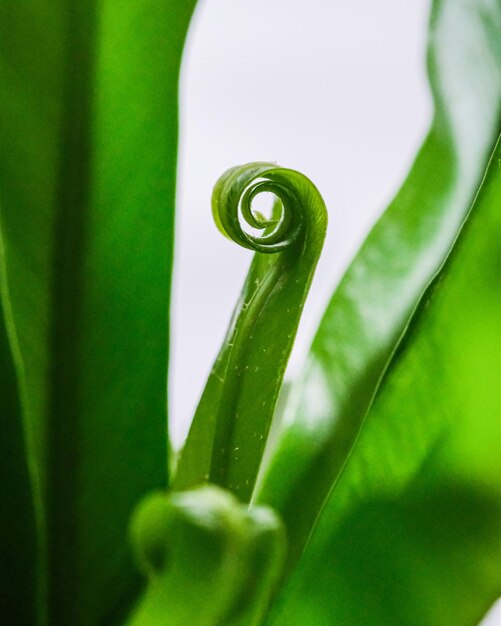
[[336, 90]]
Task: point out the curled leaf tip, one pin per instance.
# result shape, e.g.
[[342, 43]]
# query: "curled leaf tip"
[[235, 216], [229, 432]]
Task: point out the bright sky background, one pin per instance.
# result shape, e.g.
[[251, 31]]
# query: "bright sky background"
[[336, 90]]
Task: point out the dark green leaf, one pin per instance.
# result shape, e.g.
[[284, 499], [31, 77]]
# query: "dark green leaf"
[[18, 519], [88, 101]]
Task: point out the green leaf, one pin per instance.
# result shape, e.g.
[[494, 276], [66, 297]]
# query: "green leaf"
[[229, 431], [209, 559], [411, 533], [88, 102], [18, 522], [375, 300]]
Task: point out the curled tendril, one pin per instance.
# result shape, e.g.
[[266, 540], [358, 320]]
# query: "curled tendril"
[[229, 431], [233, 212]]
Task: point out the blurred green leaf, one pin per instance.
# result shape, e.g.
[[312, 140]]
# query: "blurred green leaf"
[[375, 300], [411, 533], [88, 102], [209, 559], [18, 532]]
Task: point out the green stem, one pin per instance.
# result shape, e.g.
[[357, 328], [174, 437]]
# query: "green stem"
[[231, 425]]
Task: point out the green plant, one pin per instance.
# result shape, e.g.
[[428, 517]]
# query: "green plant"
[[378, 498]]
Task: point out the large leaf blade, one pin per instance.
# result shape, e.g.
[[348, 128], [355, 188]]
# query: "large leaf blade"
[[411, 532], [88, 104], [376, 297]]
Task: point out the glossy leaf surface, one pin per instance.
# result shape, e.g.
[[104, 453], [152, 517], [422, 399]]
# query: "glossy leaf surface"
[[88, 101], [411, 532], [229, 431], [375, 300]]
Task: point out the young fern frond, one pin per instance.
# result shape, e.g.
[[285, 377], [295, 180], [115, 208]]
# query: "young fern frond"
[[227, 438]]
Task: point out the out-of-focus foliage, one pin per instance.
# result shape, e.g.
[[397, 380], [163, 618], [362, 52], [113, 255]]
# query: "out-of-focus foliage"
[[230, 428], [209, 559], [17, 519], [384, 477], [88, 142]]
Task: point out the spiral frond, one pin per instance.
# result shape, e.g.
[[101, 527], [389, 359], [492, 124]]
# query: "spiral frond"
[[229, 431], [232, 206]]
